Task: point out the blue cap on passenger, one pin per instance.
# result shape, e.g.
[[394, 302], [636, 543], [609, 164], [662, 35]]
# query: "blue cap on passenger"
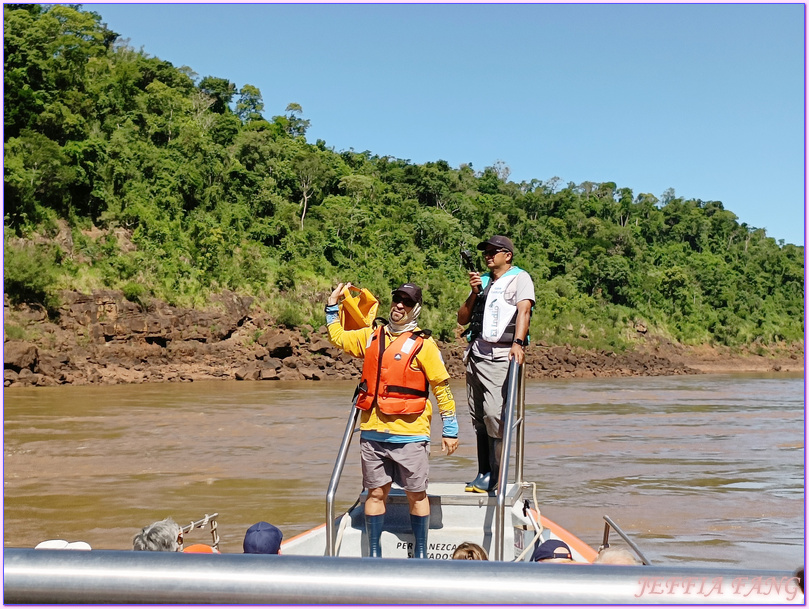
[[553, 548], [262, 538]]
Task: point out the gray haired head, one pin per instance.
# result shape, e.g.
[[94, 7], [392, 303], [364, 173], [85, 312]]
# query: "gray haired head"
[[161, 536], [616, 556]]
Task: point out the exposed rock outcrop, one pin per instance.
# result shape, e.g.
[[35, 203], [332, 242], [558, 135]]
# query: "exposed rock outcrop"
[[104, 338]]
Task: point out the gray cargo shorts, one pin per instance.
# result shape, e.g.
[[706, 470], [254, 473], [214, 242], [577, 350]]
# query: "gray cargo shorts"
[[405, 464]]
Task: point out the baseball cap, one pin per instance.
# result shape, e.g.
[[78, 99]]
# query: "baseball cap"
[[411, 289], [498, 241], [553, 548], [262, 538]]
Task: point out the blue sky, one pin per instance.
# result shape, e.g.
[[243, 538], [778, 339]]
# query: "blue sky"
[[706, 99]]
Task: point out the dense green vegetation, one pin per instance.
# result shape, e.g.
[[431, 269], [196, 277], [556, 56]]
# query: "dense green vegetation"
[[196, 190]]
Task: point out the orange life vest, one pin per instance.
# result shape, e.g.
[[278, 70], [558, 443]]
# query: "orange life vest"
[[200, 548], [388, 381]]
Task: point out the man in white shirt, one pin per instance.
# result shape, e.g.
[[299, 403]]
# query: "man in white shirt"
[[498, 311]]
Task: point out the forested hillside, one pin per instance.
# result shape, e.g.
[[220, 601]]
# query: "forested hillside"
[[195, 187]]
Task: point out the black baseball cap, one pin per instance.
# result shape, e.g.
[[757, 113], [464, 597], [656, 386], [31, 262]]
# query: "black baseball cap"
[[498, 241], [411, 290]]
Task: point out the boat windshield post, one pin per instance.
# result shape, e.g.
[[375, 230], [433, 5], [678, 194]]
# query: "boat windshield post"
[[519, 449], [331, 532], [513, 396]]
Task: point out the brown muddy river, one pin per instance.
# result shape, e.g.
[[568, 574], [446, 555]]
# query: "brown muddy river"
[[697, 469]]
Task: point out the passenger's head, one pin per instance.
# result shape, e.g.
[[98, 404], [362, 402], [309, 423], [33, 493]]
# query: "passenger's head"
[[497, 251], [405, 304], [408, 294], [469, 551], [553, 550], [162, 536], [616, 556], [262, 538]]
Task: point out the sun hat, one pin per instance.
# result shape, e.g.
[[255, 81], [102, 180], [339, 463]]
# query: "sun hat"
[[61, 544]]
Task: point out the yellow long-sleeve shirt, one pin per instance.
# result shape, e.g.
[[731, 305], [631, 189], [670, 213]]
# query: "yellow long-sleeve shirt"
[[429, 361]]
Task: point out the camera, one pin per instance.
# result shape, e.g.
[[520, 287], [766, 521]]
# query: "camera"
[[469, 264]]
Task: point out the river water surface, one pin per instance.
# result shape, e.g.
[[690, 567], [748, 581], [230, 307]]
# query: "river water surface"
[[697, 469]]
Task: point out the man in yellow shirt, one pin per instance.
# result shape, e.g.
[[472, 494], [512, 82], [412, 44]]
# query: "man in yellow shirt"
[[401, 363]]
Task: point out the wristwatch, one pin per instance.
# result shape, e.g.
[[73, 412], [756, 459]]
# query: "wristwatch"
[[519, 341]]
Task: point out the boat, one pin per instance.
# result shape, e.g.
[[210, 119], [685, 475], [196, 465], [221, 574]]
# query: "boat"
[[506, 522], [329, 564]]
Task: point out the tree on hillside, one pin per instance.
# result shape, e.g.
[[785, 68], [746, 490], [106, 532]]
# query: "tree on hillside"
[[312, 173], [291, 124], [194, 191], [250, 104], [221, 90]]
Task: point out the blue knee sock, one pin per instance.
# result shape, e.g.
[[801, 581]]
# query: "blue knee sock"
[[420, 525], [373, 528]]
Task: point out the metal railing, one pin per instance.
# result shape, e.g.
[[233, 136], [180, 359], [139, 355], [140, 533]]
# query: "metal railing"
[[334, 481], [605, 543], [127, 577], [515, 401]]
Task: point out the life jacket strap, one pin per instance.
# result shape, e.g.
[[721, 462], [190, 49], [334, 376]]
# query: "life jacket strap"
[[408, 391]]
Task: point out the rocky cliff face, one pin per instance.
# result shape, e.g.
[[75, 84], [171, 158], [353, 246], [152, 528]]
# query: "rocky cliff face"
[[102, 338]]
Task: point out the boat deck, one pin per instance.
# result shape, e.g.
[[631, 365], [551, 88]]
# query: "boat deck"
[[456, 516]]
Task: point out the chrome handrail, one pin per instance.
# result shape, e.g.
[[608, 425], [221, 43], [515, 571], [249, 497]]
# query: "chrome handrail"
[[608, 522], [334, 481], [515, 399], [520, 423], [124, 577]]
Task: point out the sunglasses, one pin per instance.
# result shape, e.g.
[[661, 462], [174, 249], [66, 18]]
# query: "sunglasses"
[[405, 301], [493, 253]]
